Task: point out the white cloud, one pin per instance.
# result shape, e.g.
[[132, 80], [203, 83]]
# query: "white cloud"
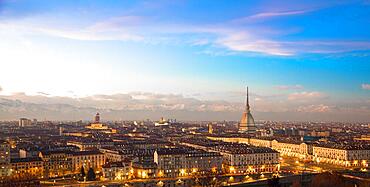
[[314, 108], [131, 101], [304, 96], [365, 86]]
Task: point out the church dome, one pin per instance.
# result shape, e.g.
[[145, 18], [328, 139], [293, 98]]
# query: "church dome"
[[247, 124]]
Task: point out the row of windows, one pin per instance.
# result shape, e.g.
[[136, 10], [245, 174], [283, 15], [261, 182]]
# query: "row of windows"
[[27, 167], [90, 157]]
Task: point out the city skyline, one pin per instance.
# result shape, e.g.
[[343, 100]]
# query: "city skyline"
[[306, 61]]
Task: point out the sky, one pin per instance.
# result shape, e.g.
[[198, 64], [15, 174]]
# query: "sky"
[[191, 60]]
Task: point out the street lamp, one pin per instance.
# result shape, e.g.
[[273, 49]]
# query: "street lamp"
[[182, 172], [231, 179], [160, 184], [232, 169], [194, 170]]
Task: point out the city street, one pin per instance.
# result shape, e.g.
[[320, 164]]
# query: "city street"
[[224, 179], [295, 165]]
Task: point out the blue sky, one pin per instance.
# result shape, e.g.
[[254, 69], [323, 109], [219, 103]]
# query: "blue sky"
[[314, 51]]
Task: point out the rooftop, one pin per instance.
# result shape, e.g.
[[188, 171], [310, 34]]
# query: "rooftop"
[[116, 164], [28, 159], [93, 152], [190, 152], [345, 146]]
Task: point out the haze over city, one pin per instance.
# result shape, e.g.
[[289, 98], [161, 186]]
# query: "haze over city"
[[190, 60]]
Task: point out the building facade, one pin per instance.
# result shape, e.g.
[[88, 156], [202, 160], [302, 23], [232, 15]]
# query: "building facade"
[[145, 168], [175, 162], [24, 122], [350, 155], [342, 155], [86, 144], [117, 170], [5, 167], [31, 166], [241, 158], [56, 163], [87, 159], [294, 149]]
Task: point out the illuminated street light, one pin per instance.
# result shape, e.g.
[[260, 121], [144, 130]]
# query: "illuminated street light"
[[160, 184], [182, 172], [232, 169], [364, 163], [231, 179], [194, 170], [160, 173], [214, 169]]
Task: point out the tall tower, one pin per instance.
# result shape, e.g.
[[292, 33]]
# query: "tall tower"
[[23, 122], [61, 129], [247, 124], [210, 128], [97, 118]]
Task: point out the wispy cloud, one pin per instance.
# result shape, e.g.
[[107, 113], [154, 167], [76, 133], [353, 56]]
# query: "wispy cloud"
[[365, 86], [326, 46], [115, 23], [43, 93], [289, 87], [246, 42], [304, 96], [131, 101], [93, 35], [278, 14], [271, 14], [230, 36], [232, 39], [314, 108], [144, 105]]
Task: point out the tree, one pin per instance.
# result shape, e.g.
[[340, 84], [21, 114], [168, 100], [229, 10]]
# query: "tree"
[[296, 183], [91, 175], [329, 179], [82, 172], [206, 179], [273, 182]]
